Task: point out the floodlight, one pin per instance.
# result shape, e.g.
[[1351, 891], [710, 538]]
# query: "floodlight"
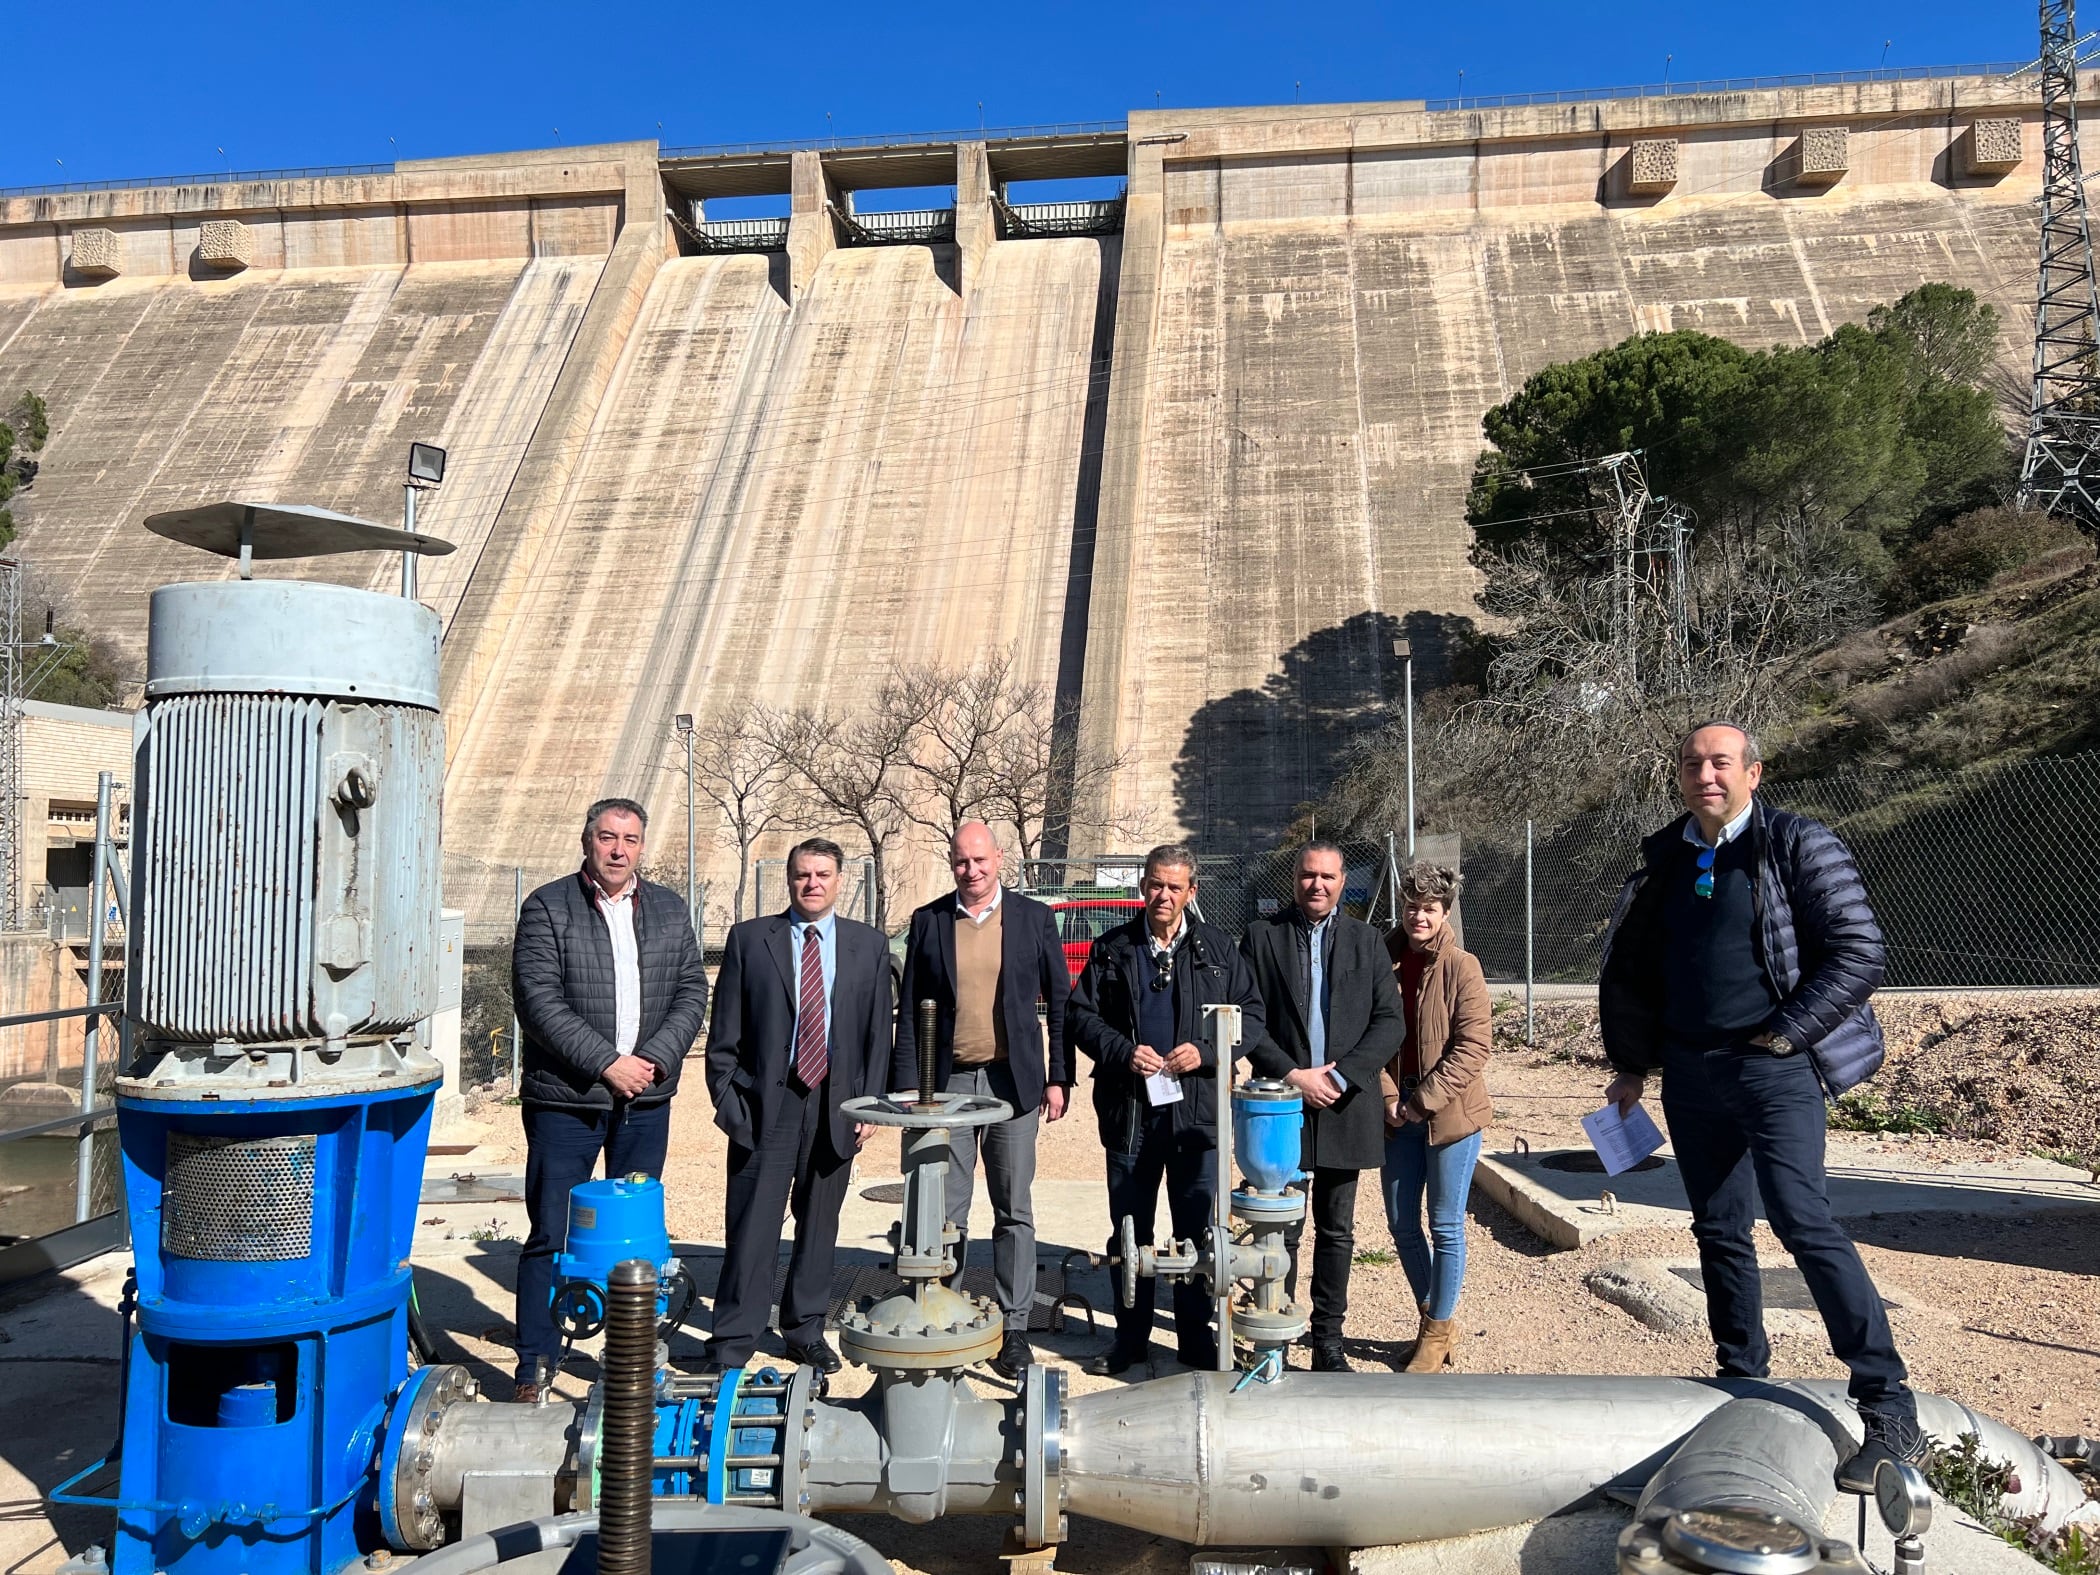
[[683, 721], [426, 462]]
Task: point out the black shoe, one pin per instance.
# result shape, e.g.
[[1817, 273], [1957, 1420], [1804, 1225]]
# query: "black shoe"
[[818, 1354], [1116, 1360], [1327, 1357], [1891, 1435], [1014, 1358]]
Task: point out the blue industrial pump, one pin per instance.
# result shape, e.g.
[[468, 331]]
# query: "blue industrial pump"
[[275, 1114]]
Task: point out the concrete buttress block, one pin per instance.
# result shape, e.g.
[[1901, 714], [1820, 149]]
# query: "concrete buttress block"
[[974, 225], [97, 254], [1825, 156], [1992, 147], [812, 232], [1652, 168], [225, 244]]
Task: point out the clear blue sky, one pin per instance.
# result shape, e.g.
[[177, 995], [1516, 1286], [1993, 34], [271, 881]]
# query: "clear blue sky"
[[126, 88]]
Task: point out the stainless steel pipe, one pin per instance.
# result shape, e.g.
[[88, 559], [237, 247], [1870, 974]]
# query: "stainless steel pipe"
[[1326, 1459], [1361, 1459], [1314, 1460]]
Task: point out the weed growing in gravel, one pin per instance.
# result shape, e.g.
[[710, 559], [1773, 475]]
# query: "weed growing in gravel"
[[1863, 1111], [1373, 1255], [1975, 1484]]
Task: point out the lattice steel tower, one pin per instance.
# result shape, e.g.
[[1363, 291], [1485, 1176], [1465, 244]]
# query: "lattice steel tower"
[[2062, 471]]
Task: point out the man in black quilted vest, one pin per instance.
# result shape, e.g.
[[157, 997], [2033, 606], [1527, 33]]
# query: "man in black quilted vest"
[[1739, 965], [610, 992]]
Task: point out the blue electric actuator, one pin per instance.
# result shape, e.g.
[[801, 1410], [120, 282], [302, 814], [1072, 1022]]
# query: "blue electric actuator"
[[612, 1221]]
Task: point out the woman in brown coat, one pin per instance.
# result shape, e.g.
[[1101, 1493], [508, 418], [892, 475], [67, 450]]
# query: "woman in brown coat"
[[1436, 1103]]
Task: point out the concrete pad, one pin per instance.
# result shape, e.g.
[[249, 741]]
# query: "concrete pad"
[[1573, 1208], [1585, 1542]]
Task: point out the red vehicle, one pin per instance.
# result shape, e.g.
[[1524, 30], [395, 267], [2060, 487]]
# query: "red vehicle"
[[1081, 921]]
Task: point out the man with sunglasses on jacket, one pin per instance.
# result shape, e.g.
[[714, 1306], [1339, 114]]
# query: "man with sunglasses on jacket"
[[1739, 965], [1137, 1014]]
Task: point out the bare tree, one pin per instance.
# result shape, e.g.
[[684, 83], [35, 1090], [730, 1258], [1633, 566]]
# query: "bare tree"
[[858, 769], [963, 717], [1042, 780], [1575, 715], [740, 766]]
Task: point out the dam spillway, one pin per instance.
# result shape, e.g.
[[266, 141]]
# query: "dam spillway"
[[1195, 473]]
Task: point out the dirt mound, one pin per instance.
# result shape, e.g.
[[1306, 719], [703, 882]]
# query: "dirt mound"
[[2018, 1069]]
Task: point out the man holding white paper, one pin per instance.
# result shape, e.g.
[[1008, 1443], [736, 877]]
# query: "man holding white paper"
[[1137, 1014], [1739, 964]]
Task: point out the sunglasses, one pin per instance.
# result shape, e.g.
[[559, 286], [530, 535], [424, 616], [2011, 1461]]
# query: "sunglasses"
[[1704, 885]]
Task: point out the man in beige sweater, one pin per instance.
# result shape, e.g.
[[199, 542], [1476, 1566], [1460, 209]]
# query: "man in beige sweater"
[[985, 956]]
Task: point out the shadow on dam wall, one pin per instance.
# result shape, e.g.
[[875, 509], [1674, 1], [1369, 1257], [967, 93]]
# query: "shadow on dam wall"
[[1252, 759]]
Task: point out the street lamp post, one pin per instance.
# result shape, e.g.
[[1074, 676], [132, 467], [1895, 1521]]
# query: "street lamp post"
[[426, 468], [1404, 649], [684, 723]]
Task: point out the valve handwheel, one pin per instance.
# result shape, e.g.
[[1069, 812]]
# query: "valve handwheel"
[[579, 1309], [1127, 1261]]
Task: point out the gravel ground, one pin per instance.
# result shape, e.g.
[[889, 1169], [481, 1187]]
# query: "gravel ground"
[[2001, 1314]]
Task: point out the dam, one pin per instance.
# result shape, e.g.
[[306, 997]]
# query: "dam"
[[1196, 455]]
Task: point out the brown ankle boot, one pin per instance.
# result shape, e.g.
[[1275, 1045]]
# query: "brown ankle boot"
[[1421, 1327], [1433, 1351]]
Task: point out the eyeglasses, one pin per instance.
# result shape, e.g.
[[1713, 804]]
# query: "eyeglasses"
[[1704, 885], [1163, 978]]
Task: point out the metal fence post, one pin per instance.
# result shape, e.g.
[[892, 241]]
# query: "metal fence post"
[[517, 906], [1529, 925], [700, 923], [91, 1037]]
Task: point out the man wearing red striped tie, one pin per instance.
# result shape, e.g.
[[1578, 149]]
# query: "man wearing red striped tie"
[[803, 1021]]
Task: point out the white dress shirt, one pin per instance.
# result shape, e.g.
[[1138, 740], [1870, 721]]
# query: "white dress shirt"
[[627, 967]]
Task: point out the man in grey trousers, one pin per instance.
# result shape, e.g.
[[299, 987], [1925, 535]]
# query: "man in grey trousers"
[[985, 956]]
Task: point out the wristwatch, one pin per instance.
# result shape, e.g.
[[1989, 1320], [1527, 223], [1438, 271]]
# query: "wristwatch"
[[1780, 1045]]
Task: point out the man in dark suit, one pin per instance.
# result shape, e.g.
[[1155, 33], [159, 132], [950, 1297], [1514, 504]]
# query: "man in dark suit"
[[610, 992], [985, 956], [1137, 1012], [1333, 1020], [801, 1025]]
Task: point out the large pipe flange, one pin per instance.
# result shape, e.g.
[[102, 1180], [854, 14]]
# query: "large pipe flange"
[[1733, 1540], [1043, 1457], [408, 1511], [937, 1330], [1267, 1210], [1262, 1329]]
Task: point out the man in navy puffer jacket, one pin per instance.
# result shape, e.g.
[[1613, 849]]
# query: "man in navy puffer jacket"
[[1739, 964]]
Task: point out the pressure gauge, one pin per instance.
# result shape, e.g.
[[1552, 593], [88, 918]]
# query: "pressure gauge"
[[1904, 1499]]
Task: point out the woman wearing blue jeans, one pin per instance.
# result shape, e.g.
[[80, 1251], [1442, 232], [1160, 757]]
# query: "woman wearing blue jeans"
[[1436, 1104]]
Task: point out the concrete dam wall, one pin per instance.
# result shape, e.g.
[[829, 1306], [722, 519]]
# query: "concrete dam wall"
[[1198, 467]]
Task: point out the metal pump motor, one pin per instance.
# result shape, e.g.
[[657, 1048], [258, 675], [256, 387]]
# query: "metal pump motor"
[[274, 1117]]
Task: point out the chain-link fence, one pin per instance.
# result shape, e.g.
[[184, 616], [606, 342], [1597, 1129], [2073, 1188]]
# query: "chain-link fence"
[[1981, 876], [856, 898]]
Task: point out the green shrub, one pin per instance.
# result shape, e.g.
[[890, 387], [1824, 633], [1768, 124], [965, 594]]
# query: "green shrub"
[[1966, 554], [1862, 1111]]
